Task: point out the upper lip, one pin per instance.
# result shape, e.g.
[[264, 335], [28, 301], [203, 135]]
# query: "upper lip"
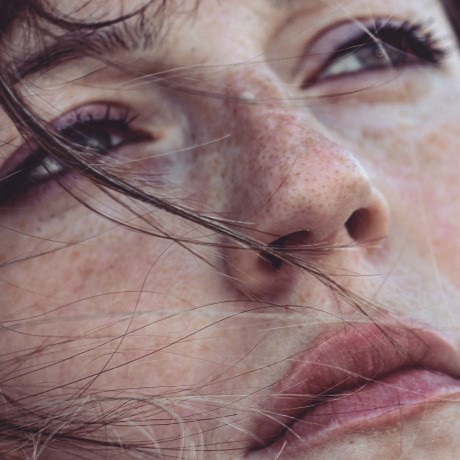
[[348, 358]]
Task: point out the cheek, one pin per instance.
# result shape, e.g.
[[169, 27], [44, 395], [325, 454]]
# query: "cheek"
[[441, 196], [114, 297], [419, 177], [412, 157]]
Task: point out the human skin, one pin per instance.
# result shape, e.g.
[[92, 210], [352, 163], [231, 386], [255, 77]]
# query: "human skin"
[[362, 186]]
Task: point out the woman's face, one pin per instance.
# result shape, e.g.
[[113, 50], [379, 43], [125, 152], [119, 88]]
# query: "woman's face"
[[287, 122]]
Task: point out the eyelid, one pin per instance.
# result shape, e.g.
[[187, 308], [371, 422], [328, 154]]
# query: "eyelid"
[[83, 112], [20, 165], [93, 111], [330, 40], [322, 45]]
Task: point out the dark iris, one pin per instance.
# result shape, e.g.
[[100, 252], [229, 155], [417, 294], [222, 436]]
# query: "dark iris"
[[377, 55], [98, 139]]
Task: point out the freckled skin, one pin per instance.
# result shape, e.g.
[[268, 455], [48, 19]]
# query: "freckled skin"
[[158, 320]]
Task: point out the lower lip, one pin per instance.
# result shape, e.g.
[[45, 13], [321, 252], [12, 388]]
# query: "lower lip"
[[373, 405]]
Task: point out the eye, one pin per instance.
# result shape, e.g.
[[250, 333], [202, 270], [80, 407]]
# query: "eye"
[[101, 127], [378, 46]]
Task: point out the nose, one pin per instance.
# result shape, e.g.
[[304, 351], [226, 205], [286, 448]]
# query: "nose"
[[297, 193]]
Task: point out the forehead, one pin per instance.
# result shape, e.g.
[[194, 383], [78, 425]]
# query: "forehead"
[[206, 9], [228, 21]]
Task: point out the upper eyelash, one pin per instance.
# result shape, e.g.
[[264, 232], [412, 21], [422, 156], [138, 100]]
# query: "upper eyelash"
[[384, 30], [432, 50], [85, 114]]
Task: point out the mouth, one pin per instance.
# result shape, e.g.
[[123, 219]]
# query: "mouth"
[[357, 378]]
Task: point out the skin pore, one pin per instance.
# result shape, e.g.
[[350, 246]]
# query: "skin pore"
[[130, 332]]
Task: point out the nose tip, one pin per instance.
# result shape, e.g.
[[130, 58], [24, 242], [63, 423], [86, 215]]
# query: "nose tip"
[[301, 204]]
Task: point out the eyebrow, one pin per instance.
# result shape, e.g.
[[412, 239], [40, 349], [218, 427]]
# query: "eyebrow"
[[140, 34]]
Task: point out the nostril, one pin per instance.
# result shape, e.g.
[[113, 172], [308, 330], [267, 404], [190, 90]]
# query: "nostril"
[[270, 259], [286, 245], [358, 223]]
